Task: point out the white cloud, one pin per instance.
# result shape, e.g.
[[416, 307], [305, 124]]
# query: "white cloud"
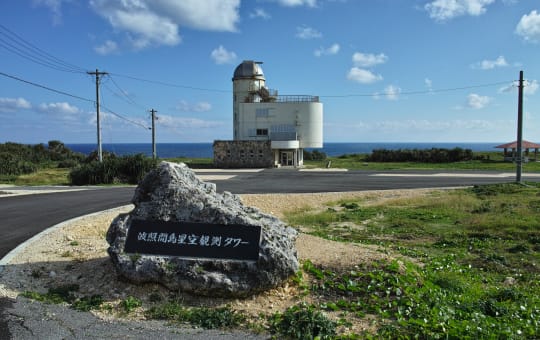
[[222, 56], [260, 13], [186, 123], [207, 15], [58, 108], [63, 111], [306, 32], [156, 22], [491, 64], [55, 6], [392, 92], [443, 10], [428, 83], [294, 3], [14, 104], [476, 101], [108, 47], [427, 125], [508, 88], [334, 49], [363, 76], [530, 87], [529, 27], [368, 59], [184, 106]]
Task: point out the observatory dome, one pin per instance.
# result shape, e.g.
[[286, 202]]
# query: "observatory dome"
[[249, 69]]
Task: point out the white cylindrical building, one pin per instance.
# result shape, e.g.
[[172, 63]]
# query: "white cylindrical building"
[[289, 123]]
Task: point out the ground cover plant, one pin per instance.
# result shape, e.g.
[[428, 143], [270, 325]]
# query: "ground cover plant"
[[457, 264], [476, 270]]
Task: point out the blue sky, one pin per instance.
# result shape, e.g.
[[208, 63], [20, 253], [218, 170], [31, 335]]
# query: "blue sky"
[[385, 70]]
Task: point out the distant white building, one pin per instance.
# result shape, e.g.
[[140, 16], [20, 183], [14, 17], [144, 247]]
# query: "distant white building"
[[268, 129]]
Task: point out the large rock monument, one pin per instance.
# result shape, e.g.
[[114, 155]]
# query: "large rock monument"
[[186, 236]]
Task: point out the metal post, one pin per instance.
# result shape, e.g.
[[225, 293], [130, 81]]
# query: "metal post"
[[519, 163]]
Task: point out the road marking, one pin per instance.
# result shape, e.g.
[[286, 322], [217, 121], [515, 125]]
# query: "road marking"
[[215, 177], [226, 170], [501, 175], [325, 170]]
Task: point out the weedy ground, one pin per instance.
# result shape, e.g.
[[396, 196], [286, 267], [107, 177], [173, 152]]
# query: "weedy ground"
[[478, 271], [467, 267]]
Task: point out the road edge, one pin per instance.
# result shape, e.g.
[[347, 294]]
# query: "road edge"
[[14, 252]]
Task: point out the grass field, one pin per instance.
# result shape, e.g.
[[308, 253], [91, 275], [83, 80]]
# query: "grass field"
[[46, 176], [493, 162], [479, 276]]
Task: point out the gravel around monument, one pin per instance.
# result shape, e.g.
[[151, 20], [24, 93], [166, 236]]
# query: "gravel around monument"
[[76, 253]]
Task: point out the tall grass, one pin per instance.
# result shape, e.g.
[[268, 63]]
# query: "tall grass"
[[126, 169]]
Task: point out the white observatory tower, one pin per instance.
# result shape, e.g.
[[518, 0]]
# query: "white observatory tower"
[[268, 130], [248, 81]]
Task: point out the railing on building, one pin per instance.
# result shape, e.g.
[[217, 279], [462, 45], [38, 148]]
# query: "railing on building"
[[283, 136], [297, 99]]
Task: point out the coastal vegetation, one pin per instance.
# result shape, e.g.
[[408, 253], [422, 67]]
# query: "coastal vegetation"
[[55, 164], [20, 160]]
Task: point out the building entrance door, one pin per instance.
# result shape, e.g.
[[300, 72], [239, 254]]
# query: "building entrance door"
[[287, 158]]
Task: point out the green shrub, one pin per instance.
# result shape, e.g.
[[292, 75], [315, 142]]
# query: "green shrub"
[[434, 155], [303, 322], [130, 303], [126, 169], [314, 155], [86, 303], [208, 318], [19, 159]]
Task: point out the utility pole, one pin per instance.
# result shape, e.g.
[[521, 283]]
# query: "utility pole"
[[154, 154], [519, 163], [100, 151]]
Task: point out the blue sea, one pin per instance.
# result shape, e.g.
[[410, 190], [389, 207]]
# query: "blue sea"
[[204, 150]]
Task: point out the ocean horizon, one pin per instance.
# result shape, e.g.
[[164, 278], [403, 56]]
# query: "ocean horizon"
[[204, 150]]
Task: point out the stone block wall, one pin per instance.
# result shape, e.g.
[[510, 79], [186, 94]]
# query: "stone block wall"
[[243, 154]]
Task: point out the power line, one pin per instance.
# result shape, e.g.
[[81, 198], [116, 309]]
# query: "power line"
[[124, 118], [171, 84], [46, 87], [72, 96], [123, 94], [27, 50], [420, 91]]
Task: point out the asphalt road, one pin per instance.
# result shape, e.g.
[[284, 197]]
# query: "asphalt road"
[[24, 216]]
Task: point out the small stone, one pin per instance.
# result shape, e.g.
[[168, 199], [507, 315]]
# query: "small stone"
[[52, 274], [509, 281]]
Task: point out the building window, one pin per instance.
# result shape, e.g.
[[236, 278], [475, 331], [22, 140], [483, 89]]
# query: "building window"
[[262, 113], [262, 132]]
